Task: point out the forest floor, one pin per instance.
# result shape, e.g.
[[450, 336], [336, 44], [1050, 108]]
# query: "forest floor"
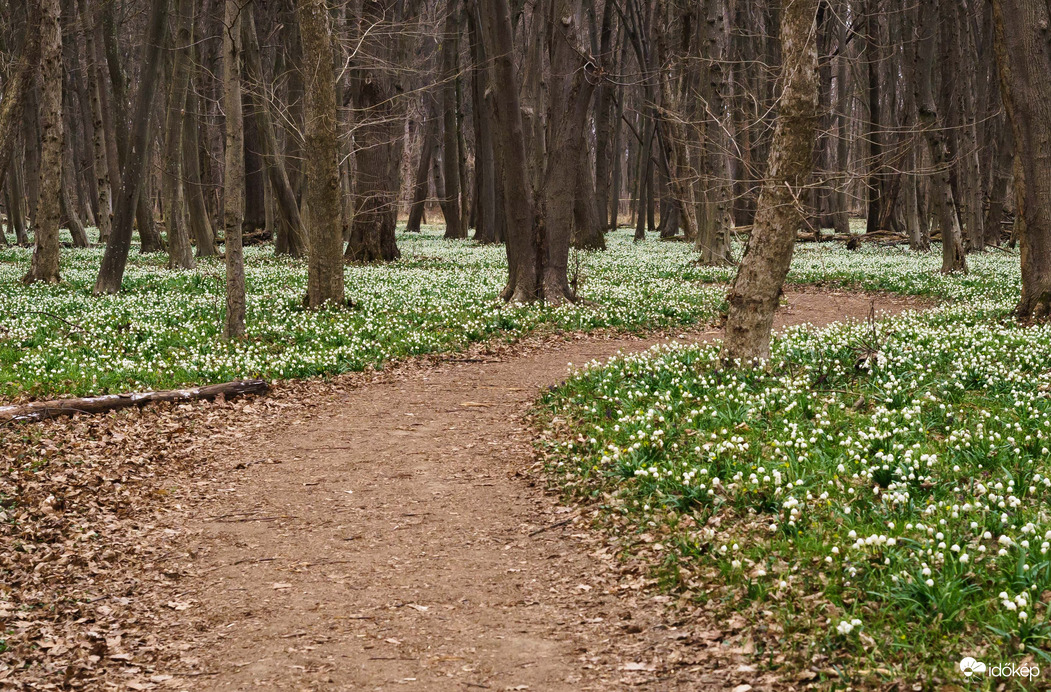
[[383, 530]]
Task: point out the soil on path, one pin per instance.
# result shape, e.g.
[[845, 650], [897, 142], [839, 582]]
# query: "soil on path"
[[383, 537]]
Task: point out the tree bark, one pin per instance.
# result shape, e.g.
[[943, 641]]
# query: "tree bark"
[[16, 88], [16, 204], [942, 197], [104, 217], [603, 110], [44, 265], [510, 154], [133, 171], [284, 196], [233, 171], [45, 410], [779, 214], [713, 234], [455, 225], [420, 186], [488, 224], [1023, 51], [681, 175], [69, 208], [180, 252], [376, 91], [325, 209], [200, 218]]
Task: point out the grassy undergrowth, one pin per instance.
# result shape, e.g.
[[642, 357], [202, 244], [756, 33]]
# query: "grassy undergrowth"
[[164, 329], [875, 498]]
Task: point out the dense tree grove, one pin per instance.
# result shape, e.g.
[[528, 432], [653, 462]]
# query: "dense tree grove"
[[540, 124]]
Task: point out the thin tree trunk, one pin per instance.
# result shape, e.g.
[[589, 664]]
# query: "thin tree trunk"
[[417, 209], [68, 207], [450, 52], [873, 123], [180, 252], [284, 196], [325, 208], [133, 170], [44, 265], [104, 217], [757, 287], [108, 125], [233, 172], [603, 110], [488, 224], [16, 204], [200, 219], [16, 88]]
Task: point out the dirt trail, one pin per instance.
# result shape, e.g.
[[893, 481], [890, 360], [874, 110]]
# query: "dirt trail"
[[387, 545]]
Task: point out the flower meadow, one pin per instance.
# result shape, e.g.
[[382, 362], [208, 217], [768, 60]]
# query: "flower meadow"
[[164, 329], [876, 497]]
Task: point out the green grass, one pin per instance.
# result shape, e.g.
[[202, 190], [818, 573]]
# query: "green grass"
[[164, 329], [875, 498]]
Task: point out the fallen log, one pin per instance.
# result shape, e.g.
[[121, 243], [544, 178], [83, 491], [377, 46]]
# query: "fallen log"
[[43, 410]]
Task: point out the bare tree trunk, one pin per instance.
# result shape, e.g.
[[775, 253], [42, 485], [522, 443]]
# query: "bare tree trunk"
[[588, 229], [1000, 175], [108, 125], [233, 172], [423, 170], [200, 219], [68, 207], [488, 228], [713, 236], [571, 86], [953, 258], [455, 226], [133, 171], [15, 204], [284, 196], [325, 208], [1024, 56], [757, 288], [681, 175], [44, 265], [873, 123], [16, 88], [376, 91], [603, 109], [510, 154], [180, 252], [841, 211], [104, 217]]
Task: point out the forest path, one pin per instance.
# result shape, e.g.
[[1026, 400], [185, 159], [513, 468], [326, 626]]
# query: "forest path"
[[390, 544]]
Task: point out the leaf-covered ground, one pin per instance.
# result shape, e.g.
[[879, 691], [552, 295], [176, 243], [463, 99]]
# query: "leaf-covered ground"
[[875, 497]]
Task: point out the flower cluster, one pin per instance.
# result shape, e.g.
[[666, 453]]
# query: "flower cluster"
[[165, 328], [899, 468]]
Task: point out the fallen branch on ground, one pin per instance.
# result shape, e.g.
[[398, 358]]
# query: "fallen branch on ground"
[[43, 410]]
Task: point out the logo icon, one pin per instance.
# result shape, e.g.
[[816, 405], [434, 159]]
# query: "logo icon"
[[970, 666]]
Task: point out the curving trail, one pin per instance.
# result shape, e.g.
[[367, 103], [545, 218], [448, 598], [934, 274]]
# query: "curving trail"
[[387, 545]]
